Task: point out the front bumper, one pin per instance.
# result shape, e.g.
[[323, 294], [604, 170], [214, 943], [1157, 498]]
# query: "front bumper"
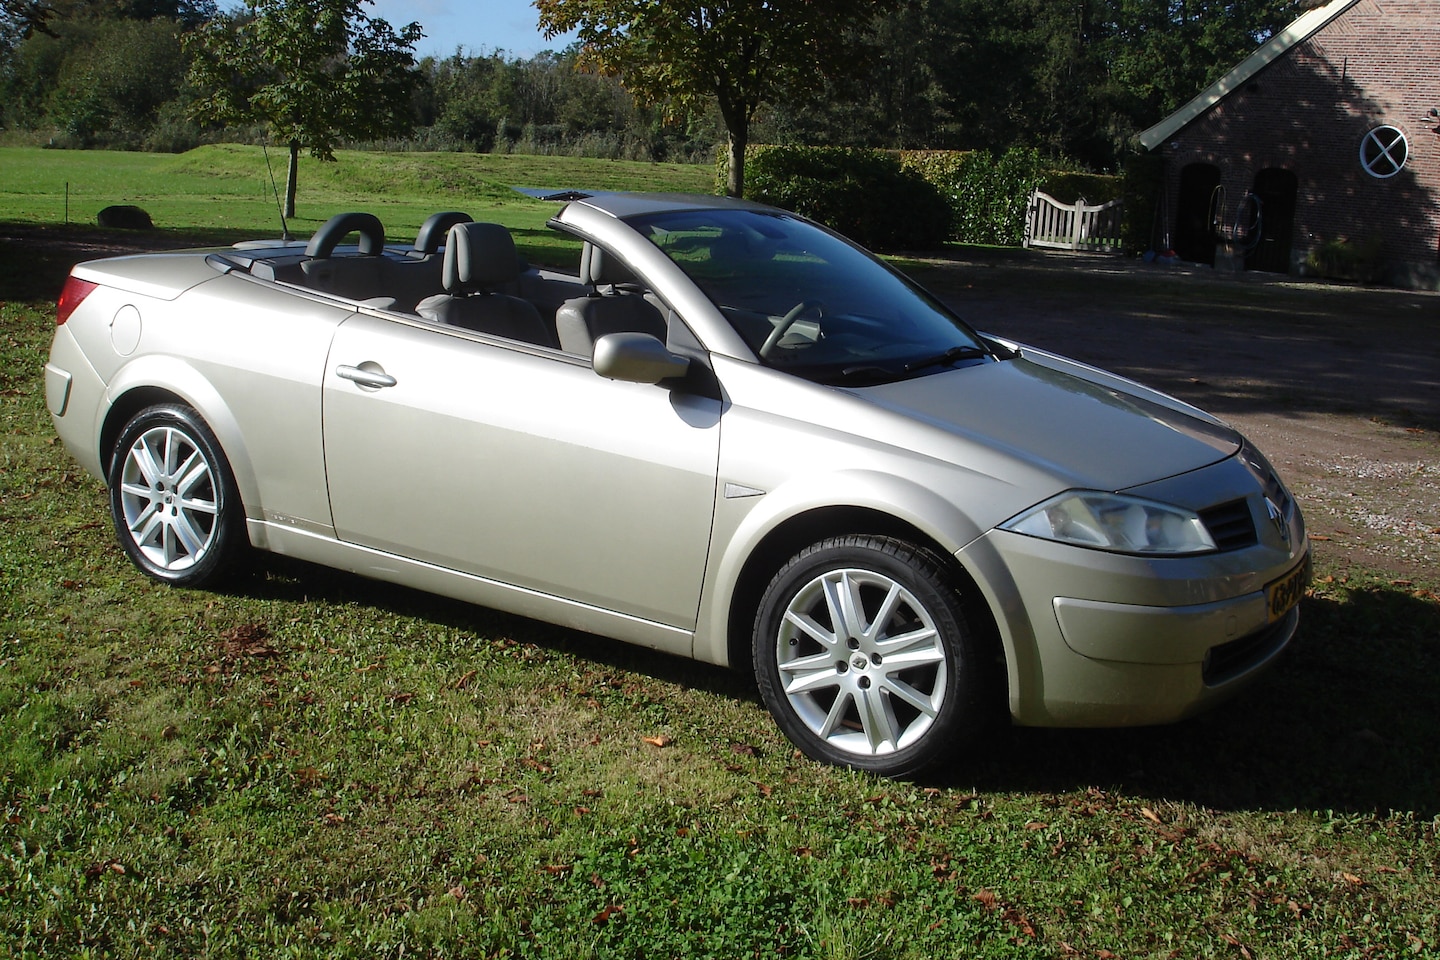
[[1102, 639]]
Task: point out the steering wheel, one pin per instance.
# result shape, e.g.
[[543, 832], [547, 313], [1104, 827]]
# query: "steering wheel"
[[786, 322]]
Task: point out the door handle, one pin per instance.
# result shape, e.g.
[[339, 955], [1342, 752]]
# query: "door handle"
[[366, 378]]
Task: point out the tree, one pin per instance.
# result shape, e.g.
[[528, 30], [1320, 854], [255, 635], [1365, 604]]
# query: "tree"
[[739, 54], [313, 71]]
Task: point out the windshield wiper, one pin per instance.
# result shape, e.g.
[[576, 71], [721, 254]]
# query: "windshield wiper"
[[864, 374], [946, 358]]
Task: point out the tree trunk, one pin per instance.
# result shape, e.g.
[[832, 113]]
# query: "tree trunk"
[[735, 177], [290, 174]]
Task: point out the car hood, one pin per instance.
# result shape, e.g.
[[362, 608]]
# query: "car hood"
[[1102, 434]]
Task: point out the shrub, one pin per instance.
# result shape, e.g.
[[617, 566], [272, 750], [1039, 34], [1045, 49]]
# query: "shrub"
[[1343, 259], [865, 194], [987, 194]]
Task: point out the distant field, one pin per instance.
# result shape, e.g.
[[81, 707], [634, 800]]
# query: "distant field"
[[227, 188]]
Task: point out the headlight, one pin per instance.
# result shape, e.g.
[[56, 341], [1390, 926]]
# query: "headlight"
[[1110, 521]]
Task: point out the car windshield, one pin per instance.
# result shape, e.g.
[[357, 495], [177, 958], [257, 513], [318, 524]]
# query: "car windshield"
[[808, 302]]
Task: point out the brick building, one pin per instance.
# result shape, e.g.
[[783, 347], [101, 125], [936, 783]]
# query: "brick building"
[[1325, 141]]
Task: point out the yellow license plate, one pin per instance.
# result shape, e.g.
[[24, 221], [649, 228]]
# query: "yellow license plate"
[[1282, 595]]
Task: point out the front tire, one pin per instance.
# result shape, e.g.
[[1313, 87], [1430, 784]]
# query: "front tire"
[[173, 499], [863, 656]]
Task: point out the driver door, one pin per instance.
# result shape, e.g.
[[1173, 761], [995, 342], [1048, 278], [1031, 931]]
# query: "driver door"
[[522, 466]]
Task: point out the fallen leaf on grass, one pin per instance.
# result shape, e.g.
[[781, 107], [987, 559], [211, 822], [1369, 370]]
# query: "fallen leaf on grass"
[[1244, 951], [1150, 815], [248, 640], [659, 741], [101, 867], [464, 681], [603, 917]]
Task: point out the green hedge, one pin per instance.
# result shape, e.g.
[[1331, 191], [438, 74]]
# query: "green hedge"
[[865, 194], [987, 194], [913, 198]]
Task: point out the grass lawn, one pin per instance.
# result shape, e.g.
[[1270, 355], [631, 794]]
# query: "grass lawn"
[[314, 765], [227, 190]]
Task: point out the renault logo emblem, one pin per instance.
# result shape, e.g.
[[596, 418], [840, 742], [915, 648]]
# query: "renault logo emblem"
[[1278, 519]]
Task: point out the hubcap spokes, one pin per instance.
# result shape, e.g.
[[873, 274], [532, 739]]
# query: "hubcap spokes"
[[861, 662], [167, 493]]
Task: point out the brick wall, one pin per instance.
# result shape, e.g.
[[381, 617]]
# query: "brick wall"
[[1376, 64]]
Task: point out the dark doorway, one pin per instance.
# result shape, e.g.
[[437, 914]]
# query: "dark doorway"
[[1195, 217], [1276, 190]]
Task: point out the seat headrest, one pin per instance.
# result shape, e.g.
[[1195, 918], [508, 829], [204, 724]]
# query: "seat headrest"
[[600, 268], [332, 231], [433, 230], [479, 256]]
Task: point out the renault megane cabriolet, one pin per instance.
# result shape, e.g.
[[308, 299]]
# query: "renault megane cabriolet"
[[732, 435]]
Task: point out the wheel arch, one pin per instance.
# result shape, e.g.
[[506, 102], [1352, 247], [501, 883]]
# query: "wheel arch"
[[136, 389], [799, 531]]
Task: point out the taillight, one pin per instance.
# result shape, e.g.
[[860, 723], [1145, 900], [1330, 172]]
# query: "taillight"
[[75, 291]]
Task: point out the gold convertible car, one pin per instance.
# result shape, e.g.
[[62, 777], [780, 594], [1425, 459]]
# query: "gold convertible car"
[[733, 435]]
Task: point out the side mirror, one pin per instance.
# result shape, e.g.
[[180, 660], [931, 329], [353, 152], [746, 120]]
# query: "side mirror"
[[636, 358]]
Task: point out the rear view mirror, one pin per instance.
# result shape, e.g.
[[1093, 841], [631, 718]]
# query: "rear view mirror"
[[636, 358]]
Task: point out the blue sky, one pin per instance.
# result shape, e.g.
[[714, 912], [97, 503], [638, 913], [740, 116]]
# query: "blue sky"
[[480, 27]]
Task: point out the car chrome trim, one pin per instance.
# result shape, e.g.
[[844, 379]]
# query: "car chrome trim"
[[366, 378], [738, 491]]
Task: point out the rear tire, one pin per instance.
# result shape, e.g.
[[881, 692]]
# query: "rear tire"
[[173, 498], [864, 658]]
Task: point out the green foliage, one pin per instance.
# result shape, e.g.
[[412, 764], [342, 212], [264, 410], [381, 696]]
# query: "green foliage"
[[865, 194], [1343, 259], [546, 104], [987, 195], [1074, 80], [737, 56], [116, 83], [313, 71], [1069, 186]]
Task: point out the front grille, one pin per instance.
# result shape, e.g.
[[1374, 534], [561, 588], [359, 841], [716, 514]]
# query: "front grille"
[[1231, 660], [1231, 525]]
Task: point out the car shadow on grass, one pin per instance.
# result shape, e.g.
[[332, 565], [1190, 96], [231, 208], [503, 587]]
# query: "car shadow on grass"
[[1347, 721], [285, 579]]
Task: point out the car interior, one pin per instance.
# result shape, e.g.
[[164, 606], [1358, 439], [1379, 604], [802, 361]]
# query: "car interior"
[[465, 274]]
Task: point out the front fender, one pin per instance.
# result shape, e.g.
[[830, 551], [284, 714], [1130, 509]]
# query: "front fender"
[[744, 521]]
